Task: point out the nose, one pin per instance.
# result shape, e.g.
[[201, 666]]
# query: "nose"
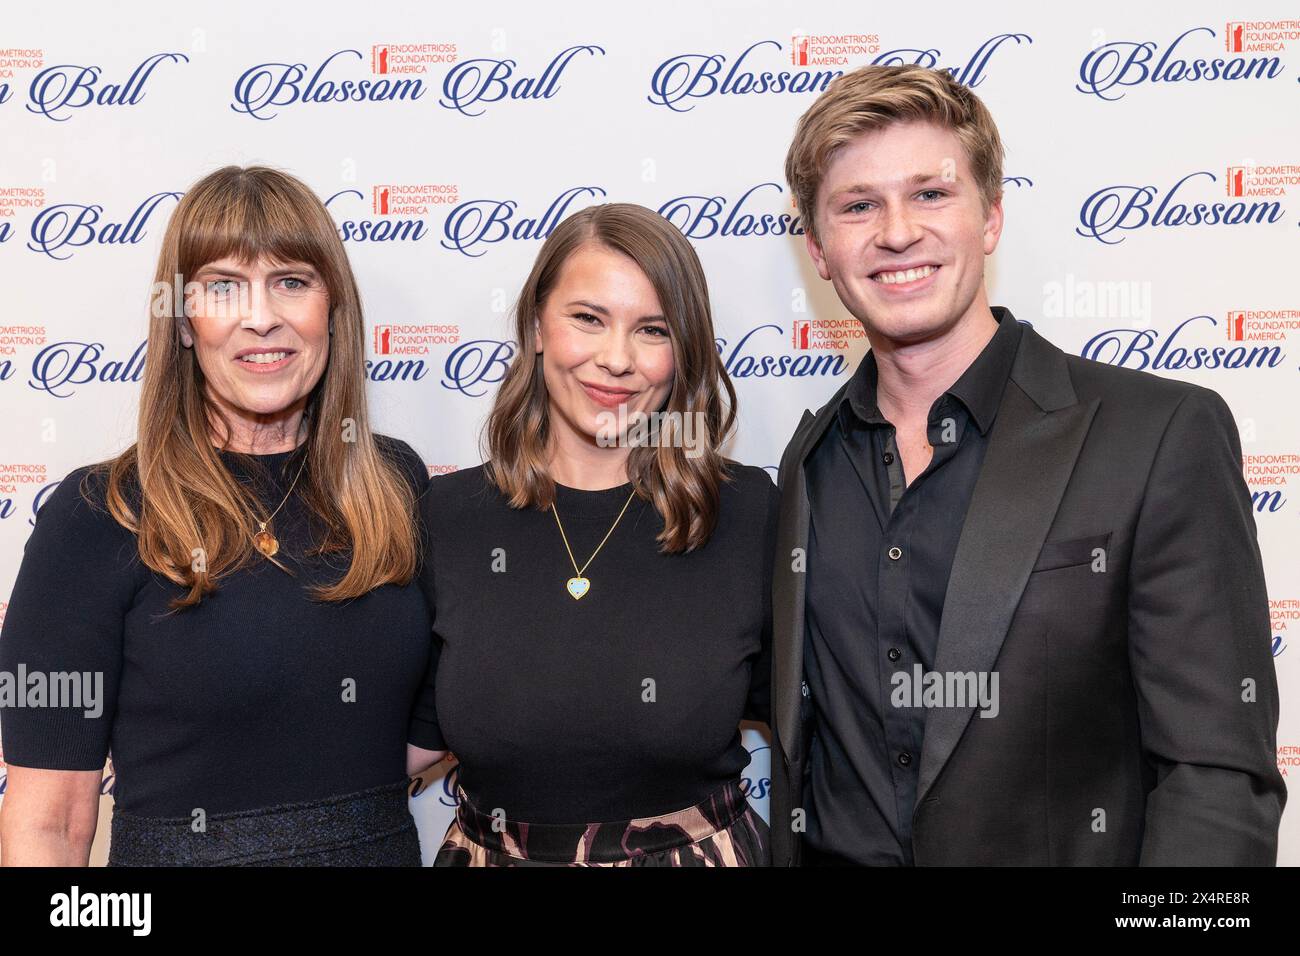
[[898, 228], [614, 354], [262, 316]]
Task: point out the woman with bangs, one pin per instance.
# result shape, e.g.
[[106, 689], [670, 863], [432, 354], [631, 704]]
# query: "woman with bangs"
[[241, 579], [599, 587]]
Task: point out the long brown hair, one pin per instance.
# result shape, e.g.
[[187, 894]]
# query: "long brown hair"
[[684, 489], [171, 488]]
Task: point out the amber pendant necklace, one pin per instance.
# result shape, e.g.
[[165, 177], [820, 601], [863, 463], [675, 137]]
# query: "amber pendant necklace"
[[578, 586], [263, 540]]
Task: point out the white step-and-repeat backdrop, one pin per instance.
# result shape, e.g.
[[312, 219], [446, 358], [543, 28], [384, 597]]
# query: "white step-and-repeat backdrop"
[[1152, 205]]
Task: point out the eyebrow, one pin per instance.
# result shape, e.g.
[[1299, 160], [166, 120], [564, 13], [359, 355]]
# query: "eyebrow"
[[605, 312], [916, 180], [290, 269]]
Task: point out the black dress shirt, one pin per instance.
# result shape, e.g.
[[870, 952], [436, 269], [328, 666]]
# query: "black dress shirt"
[[879, 555]]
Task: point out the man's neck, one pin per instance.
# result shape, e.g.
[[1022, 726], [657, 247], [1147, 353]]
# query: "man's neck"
[[911, 375]]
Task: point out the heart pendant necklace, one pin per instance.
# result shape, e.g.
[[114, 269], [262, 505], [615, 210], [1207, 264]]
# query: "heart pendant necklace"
[[578, 586]]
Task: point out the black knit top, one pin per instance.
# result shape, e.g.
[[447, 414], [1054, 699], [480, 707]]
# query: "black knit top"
[[258, 696], [621, 704]]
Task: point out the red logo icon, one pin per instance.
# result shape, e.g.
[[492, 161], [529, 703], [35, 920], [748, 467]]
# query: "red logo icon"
[[1232, 36], [1236, 175], [1236, 326], [799, 51]]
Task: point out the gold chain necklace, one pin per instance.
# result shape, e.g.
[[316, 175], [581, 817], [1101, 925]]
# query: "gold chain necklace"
[[264, 540], [578, 586]]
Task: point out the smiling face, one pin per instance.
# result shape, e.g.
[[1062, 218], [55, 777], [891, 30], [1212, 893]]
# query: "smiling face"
[[260, 332], [902, 233], [603, 342]]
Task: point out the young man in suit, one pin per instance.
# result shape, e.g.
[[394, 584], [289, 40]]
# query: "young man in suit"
[[1019, 607]]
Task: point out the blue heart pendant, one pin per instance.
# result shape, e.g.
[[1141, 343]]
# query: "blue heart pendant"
[[578, 587]]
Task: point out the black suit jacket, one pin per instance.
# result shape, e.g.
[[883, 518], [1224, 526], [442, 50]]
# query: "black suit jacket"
[[1138, 704]]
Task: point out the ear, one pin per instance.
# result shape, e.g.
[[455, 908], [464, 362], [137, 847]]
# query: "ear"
[[537, 336], [993, 226], [815, 253], [186, 331]]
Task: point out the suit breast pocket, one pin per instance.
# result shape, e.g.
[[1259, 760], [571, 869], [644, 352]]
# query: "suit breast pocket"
[[1071, 552], [1070, 594]]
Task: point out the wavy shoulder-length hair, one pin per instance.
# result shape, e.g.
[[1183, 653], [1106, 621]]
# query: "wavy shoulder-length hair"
[[194, 521], [685, 489]]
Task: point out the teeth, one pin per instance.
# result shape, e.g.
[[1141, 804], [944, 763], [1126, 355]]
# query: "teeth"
[[263, 358], [910, 275]]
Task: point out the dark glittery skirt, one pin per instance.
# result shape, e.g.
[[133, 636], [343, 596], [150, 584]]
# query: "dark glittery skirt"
[[368, 828], [722, 830]]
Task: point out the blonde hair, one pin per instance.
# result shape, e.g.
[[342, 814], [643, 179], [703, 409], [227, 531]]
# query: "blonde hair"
[[171, 488], [684, 489], [873, 97]]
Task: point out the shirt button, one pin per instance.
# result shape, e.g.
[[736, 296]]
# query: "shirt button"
[[904, 760], [889, 458], [894, 654], [895, 553]]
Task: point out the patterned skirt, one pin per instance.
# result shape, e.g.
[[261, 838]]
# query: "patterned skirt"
[[722, 830]]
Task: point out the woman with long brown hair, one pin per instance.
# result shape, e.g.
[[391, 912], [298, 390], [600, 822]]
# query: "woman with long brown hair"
[[600, 586], [240, 579]]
